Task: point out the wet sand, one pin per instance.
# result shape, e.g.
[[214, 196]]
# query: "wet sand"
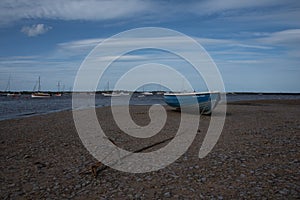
[[256, 157]]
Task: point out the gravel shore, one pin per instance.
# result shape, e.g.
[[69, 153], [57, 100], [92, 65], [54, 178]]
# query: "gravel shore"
[[256, 157]]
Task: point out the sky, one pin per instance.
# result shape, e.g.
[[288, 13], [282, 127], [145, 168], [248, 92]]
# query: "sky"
[[254, 44]]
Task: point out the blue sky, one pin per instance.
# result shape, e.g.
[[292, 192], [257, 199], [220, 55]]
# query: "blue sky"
[[256, 45]]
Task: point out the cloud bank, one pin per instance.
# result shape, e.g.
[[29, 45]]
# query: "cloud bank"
[[99, 10], [12, 10]]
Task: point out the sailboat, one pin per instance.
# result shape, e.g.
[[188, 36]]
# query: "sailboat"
[[39, 94], [145, 93], [58, 94], [8, 93], [110, 94]]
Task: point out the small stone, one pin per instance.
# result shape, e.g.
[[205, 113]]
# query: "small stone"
[[284, 191], [12, 185], [26, 156], [203, 179], [167, 194], [56, 187], [78, 186]]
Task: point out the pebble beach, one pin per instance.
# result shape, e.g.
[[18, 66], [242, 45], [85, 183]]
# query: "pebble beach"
[[257, 157]]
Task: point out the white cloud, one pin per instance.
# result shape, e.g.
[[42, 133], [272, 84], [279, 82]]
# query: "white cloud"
[[35, 30], [11, 10], [244, 61], [82, 45], [290, 37], [216, 47], [214, 6]]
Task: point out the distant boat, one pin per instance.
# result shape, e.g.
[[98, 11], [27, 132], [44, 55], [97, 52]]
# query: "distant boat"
[[13, 94], [113, 94], [8, 92], [124, 93], [39, 94], [58, 94], [206, 101], [147, 93]]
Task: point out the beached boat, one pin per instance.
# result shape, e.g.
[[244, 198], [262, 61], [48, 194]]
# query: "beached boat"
[[39, 94], [206, 101]]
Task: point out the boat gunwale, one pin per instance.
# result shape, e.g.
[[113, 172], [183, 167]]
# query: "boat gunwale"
[[190, 93]]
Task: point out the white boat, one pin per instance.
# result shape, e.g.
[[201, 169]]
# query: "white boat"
[[147, 93], [124, 93], [13, 94], [39, 94], [113, 94], [8, 92]]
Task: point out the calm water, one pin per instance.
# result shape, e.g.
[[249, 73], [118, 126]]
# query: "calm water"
[[25, 106]]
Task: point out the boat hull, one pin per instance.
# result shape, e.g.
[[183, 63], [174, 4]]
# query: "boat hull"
[[206, 101], [58, 95], [40, 95], [111, 94], [13, 94]]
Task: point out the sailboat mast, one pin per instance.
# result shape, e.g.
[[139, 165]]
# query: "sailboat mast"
[[8, 84], [39, 88], [58, 86]]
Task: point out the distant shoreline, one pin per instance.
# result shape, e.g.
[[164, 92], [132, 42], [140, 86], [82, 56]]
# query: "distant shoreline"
[[229, 102], [137, 92]]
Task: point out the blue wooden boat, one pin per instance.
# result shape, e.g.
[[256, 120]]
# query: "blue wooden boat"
[[206, 101]]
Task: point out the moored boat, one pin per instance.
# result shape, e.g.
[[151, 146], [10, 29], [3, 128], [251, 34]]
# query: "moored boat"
[[14, 94], [39, 94], [113, 94], [8, 92], [206, 101], [58, 94], [147, 93]]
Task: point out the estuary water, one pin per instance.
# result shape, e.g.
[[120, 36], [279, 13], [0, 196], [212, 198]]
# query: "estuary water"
[[24, 105]]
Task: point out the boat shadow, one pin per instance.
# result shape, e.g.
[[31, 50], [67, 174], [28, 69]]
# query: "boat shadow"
[[197, 112]]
